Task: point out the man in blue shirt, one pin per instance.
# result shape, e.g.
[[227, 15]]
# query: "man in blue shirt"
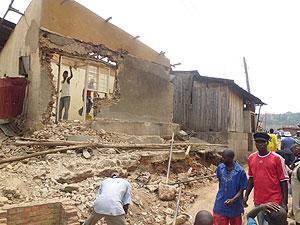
[[233, 181], [273, 213]]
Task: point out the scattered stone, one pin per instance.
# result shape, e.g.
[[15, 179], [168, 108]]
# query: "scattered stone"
[[169, 211], [152, 188], [110, 151], [182, 132], [166, 192], [3, 200], [143, 178], [169, 220], [107, 172], [75, 177], [213, 167], [11, 193], [101, 131], [86, 154], [182, 219], [9, 166], [70, 188]]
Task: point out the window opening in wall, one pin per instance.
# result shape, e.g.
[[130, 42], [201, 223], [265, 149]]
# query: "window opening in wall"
[[24, 65], [97, 77]]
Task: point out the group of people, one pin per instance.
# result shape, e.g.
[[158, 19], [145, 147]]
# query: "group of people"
[[268, 175], [65, 96], [285, 148]]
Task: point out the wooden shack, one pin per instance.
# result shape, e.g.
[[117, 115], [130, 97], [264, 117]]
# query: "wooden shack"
[[218, 110]]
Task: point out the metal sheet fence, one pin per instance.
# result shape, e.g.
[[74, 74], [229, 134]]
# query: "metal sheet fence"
[[12, 94]]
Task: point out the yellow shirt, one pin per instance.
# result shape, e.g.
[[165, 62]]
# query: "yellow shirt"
[[273, 143]]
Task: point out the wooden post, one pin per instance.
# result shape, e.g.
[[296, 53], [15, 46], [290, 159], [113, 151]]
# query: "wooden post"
[[188, 151], [258, 118], [177, 206], [57, 91], [170, 159], [247, 76], [85, 93], [107, 81], [265, 121], [51, 151]]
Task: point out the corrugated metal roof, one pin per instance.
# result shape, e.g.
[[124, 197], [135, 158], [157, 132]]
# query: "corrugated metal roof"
[[230, 83], [6, 28], [10, 129]]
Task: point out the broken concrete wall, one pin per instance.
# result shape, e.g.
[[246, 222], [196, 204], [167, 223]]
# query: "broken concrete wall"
[[74, 20], [87, 53], [237, 141], [24, 41], [90, 35], [146, 93], [143, 91]]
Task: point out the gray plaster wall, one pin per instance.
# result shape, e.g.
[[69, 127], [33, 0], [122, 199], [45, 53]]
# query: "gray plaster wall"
[[24, 41], [146, 93], [213, 137], [239, 143]]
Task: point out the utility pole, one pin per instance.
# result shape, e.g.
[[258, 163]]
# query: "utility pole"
[[247, 76], [265, 120]]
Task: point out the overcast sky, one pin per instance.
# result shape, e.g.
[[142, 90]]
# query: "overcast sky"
[[213, 36]]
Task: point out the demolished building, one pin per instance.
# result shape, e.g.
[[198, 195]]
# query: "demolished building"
[[135, 97], [218, 110], [133, 88]]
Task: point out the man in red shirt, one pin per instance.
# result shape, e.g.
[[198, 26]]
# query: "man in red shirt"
[[267, 175]]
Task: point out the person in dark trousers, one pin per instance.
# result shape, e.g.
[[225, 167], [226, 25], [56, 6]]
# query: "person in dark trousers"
[[286, 144], [295, 182], [112, 201], [89, 99], [274, 214], [203, 217], [267, 175], [233, 181], [296, 151], [273, 143], [65, 96]]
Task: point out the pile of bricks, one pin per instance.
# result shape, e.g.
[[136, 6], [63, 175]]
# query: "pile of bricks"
[[54, 213]]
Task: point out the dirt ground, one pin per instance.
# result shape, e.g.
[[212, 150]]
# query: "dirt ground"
[[206, 199]]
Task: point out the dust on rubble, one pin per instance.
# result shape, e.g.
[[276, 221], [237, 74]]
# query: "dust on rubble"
[[71, 177]]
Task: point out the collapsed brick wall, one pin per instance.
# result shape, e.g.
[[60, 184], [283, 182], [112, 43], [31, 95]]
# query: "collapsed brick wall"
[[51, 44], [46, 70], [47, 214]]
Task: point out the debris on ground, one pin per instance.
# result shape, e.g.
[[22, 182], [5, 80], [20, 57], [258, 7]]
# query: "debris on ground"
[[76, 174]]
